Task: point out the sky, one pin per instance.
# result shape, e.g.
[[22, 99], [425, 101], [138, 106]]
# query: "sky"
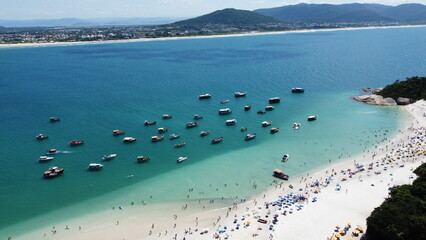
[[51, 9]]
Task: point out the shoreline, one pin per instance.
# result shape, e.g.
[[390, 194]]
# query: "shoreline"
[[132, 223], [253, 33]]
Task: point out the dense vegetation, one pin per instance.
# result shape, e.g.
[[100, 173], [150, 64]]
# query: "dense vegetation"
[[414, 87], [403, 215], [354, 12], [229, 16]]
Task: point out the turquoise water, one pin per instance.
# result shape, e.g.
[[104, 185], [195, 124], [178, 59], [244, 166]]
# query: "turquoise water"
[[97, 88]]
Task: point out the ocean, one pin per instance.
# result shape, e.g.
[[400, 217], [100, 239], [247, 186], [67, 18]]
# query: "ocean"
[[97, 88]]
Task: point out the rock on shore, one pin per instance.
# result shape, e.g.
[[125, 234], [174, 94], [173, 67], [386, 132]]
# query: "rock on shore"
[[374, 99]]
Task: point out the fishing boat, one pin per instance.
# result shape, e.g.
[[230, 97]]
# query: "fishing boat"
[[204, 133], [129, 139], [54, 119], [166, 116], [274, 130], [142, 159], [174, 136], [269, 108], [266, 123], [224, 111], [205, 96], [156, 138], [107, 157], [95, 166], [117, 132], [191, 124], [297, 90], [312, 118], [160, 130], [53, 172], [285, 158], [243, 129], [296, 126], [231, 122], [279, 174], [51, 151], [247, 107], [275, 100], [240, 94], [146, 123], [41, 136], [43, 159], [250, 136], [197, 116], [261, 112], [224, 101], [217, 140], [76, 142], [180, 145], [181, 159]]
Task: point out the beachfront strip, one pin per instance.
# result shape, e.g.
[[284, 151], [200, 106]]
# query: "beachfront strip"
[[332, 203]]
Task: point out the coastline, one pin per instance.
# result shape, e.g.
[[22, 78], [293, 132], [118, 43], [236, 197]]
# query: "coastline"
[[56, 44], [134, 223]]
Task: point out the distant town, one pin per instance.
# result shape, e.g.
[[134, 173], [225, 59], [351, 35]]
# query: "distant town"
[[108, 33]]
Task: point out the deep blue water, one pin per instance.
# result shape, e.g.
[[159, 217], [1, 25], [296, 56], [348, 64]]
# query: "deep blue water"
[[97, 88]]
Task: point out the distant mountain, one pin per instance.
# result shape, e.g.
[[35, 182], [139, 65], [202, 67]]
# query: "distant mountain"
[[355, 12], [229, 16], [75, 22]]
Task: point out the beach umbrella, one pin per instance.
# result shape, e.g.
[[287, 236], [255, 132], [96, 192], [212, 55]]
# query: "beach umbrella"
[[248, 222], [333, 238], [338, 235]]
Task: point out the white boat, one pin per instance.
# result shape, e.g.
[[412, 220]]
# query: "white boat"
[[266, 123], [231, 122], [181, 159], [296, 126], [45, 159], [250, 136], [240, 94], [174, 136], [95, 166], [285, 157], [224, 111], [312, 118], [107, 157], [129, 139], [224, 101]]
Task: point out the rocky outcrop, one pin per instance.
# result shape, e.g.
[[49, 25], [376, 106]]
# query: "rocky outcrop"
[[403, 101], [374, 99]]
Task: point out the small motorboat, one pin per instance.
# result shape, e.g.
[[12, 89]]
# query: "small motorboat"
[[296, 126], [147, 123], [269, 108], [243, 129], [274, 130], [297, 90], [43, 159], [107, 157], [225, 111], [217, 140], [166, 116], [204, 133], [266, 123], [197, 116], [174, 136], [95, 166], [205, 96], [312, 118], [54, 119], [181, 159], [129, 139], [224, 101], [156, 138], [240, 94], [117, 132], [53, 172], [41, 136], [51, 151], [247, 107], [275, 100], [285, 158], [261, 112], [76, 142], [279, 174], [231, 122], [142, 159], [191, 124], [250, 136], [161, 130], [180, 145]]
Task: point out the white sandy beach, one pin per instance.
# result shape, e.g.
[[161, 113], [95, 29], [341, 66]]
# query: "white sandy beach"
[[50, 44], [326, 205]]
